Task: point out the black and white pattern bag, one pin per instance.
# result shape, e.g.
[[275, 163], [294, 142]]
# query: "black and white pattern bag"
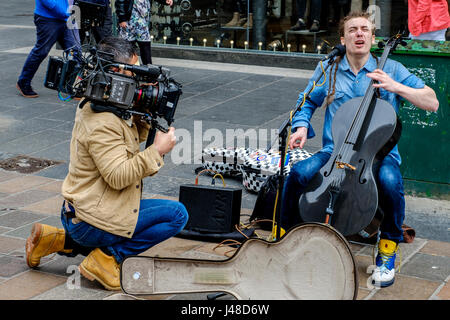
[[254, 165]]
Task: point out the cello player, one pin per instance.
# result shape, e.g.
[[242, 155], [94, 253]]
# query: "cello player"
[[347, 78]]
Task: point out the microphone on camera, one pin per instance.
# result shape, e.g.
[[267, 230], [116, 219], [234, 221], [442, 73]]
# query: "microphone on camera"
[[152, 71], [338, 50]]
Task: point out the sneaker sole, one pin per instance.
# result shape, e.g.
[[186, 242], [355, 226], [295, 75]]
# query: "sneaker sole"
[[91, 277], [387, 284], [384, 284], [32, 241], [26, 96]]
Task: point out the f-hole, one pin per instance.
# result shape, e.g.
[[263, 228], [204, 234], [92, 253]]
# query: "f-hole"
[[328, 172], [364, 180]]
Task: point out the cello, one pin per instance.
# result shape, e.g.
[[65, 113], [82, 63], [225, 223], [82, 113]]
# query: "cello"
[[344, 192]]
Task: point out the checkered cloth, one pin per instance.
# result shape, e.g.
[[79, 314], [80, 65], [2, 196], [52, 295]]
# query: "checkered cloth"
[[255, 165], [224, 161]]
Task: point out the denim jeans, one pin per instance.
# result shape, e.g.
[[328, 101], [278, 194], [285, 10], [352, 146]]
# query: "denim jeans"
[[299, 176], [391, 199], [48, 31], [158, 220], [390, 193]]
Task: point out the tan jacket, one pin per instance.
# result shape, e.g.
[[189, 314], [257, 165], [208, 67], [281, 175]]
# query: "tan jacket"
[[106, 170]]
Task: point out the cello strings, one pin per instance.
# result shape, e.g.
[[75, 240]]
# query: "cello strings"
[[367, 103], [358, 120]]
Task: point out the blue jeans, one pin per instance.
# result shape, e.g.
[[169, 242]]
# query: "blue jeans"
[[390, 193], [158, 220], [48, 31], [299, 176], [391, 199]]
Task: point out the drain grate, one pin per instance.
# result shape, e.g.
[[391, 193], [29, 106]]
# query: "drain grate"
[[25, 164]]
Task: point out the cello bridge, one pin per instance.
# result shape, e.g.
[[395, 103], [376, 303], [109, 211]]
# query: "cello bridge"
[[342, 165]]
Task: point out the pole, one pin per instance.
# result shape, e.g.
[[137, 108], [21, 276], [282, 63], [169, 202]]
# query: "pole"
[[283, 134]]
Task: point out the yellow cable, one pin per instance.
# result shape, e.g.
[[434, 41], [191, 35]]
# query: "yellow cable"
[[324, 76], [274, 214], [218, 174]]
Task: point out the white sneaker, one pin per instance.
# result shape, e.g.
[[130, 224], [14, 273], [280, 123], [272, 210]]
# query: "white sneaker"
[[384, 274]]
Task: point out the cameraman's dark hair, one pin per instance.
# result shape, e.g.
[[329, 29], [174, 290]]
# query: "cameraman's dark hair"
[[121, 49]]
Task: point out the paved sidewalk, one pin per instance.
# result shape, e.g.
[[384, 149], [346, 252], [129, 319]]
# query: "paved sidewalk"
[[215, 97], [26, 199]]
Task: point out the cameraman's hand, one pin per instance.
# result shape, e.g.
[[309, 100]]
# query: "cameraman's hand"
[[164, 142], [169, 2], [123, 24]]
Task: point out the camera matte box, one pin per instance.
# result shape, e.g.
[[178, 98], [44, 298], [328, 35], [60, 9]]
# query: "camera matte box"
[[211, 209]]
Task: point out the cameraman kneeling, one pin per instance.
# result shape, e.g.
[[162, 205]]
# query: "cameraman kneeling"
[[103, 215]]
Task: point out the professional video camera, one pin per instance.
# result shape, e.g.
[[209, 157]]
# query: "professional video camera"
[[149, 92]]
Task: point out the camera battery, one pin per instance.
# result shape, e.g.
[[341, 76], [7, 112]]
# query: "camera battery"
[[53, 75]]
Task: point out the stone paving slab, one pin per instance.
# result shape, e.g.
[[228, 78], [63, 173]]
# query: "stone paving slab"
[[62, 292], [24, 231], [25, 198], [444, 292], [17, 218], [431, 267], [407, 288], [48, 206], [7, 175], [4, 229], [28, 285], [55, 172], [8, 244], [438, 248], [10, 266], [22, 183]]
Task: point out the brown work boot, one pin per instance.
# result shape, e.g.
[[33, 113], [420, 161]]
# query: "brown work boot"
[[44, 240], [101, 267]]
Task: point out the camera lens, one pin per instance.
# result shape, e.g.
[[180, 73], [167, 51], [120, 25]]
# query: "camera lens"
[[146, 97]]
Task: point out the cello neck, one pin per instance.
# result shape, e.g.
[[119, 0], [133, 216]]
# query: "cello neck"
[[381, 63], [368, 99]]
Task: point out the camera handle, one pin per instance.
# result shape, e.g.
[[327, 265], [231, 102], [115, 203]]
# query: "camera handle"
[[152, 132], [150, 137], [154, 126]]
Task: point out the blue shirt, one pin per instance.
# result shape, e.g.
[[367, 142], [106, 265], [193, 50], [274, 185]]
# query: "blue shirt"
[[349, 86], [53, 9]]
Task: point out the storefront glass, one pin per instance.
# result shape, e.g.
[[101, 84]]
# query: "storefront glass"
[[268, 25], [263, 24]]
